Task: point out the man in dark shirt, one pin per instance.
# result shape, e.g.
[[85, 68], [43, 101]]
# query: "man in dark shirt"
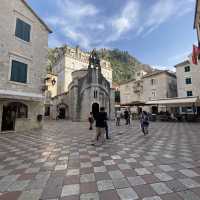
[[126, 117], [100, 125]]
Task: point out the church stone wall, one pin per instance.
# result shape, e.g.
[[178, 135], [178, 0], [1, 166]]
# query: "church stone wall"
[[86, 105], [73, 59]]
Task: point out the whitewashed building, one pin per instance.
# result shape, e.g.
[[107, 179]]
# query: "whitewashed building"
[[188, 82], [23, 59]]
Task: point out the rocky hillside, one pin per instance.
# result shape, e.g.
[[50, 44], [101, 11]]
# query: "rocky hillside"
[[124, 65]]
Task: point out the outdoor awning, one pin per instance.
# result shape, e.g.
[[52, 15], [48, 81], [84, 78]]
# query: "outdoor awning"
[[175, 101], [10, 94], [134, 103]]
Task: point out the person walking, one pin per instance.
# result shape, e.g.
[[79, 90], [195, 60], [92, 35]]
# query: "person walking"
[[129, 118], [100, 126], [91, 120], [144, 121], [118, 117], [126, 116], [106, 128]]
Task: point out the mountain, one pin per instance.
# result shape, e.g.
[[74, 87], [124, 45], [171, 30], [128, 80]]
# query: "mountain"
[[123, 64], [52, 57]]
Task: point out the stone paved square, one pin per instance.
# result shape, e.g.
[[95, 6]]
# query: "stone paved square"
[[161, 188], [69, 190], [127, 193], [137, 180], [105, 185], [60, 163], [120, 183]]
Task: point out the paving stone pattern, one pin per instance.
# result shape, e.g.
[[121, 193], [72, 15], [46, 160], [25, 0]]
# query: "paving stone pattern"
[[59, 163]]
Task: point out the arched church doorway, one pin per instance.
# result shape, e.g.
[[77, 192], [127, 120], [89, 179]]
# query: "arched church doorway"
[[10, 113], [95, 109]]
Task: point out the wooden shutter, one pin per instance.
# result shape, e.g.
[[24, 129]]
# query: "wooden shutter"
[[23, 30], [14, 71], [19, 29], [26, 32], [23, 73], [19, 72]]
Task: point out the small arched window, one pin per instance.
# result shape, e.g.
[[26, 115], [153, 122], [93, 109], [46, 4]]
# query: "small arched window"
[[95, 94]]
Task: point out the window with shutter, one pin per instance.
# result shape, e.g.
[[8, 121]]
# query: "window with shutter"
[[22, 30], [189, 93], [187, 69], [18, 72], [188, 81]]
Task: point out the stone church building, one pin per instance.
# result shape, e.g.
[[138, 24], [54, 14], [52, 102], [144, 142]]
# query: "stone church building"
[[88, 91]]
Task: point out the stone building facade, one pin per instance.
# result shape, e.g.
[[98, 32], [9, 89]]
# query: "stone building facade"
[[88, 91], [50, 92], [71, 59], [23, 58], [132, 90], [159, 84], [188, 81]]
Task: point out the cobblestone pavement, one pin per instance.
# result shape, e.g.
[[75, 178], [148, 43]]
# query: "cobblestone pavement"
[[59, 163]]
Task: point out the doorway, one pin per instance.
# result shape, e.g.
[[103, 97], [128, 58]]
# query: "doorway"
[[47, 111], [95, 109], [8, 119], [10, 113], [154, 110], [62, 113]]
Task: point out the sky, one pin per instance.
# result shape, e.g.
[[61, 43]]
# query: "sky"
[[157, 32]]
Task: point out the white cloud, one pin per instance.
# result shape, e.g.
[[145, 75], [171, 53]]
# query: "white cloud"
[[77, 9], [126, 21], [163, 11], [83, 23], [160, 67], [69, 21], [79, 38]]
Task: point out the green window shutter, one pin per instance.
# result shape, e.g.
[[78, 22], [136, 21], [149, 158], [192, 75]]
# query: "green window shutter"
[[26, 32], [14, 71], [19, 29], [18, 72], [22, 30], [23, 73]]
